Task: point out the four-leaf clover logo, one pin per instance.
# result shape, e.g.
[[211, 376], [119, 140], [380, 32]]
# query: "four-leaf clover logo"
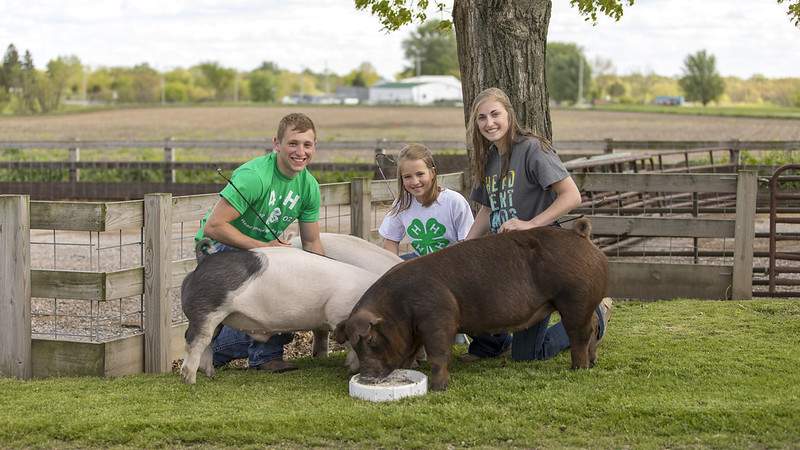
[[427, 238]]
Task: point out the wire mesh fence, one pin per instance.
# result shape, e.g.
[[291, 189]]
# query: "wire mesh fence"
[[688, 250], [99, 321]]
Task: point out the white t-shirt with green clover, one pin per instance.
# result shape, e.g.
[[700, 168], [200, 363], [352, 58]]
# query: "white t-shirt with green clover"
[[443, 223]]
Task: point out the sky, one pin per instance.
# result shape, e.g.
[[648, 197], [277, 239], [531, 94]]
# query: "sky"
[[747, 37]]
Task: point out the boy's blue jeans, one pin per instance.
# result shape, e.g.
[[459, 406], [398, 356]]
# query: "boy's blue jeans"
[[535, 343], [232, 344]]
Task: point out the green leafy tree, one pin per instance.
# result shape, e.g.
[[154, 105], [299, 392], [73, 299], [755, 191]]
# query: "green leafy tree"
[[177, 85], [616, 89], [265, 82], [219, 78], [263, 86], [122, 88], [794, 11], [701, 81], [30, 85], [269, 66], [563, 72], [10, 76], [140, 84], [146, 84], [176, 92], [604, 75], [98, 85], [53, 84], [364, 75], [431, 49]]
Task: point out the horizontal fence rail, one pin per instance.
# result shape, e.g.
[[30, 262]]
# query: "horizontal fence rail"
[[601, 155], [606, 145]]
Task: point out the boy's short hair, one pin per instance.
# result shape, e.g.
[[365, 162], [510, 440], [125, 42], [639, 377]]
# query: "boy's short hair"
[[298, 122]]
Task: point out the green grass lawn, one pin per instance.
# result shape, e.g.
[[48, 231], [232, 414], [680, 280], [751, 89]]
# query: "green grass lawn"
[[677, 374]]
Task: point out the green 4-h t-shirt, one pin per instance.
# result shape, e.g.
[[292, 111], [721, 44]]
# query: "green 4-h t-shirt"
[[278, 199]]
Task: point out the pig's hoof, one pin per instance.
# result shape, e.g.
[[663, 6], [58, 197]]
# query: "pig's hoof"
[[188, 376], [209, 371], [352, 363], [439, 386]]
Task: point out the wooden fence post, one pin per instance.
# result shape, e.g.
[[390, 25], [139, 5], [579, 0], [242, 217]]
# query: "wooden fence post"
[[736, 149], [466, 184], [157, 277], [15, 286], [360, 207], [74, 157], [744, 234], [169, 159], [609, 148]]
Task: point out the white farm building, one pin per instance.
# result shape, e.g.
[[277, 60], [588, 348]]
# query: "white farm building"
[[423, 90]]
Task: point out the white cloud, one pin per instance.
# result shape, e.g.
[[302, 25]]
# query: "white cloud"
[[746, 36]]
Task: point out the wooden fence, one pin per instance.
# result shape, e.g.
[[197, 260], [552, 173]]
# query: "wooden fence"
[[162, 342], [76, 188]]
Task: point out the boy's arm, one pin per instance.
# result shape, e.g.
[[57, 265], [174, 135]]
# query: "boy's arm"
[[218, 227], [309, 236]]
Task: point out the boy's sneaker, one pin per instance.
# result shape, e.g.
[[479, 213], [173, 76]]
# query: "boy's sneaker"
[[468, 357], [275, 366], [607, 307]]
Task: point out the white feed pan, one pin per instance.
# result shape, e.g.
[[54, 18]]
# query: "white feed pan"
[[398, 384]]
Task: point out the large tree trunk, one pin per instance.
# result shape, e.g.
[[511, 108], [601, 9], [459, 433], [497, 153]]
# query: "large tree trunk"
[[502, 43]]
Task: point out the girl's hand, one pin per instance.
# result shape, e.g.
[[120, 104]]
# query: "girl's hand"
[[515, 225]]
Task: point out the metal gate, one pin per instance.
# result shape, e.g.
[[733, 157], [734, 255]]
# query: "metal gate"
[[783, 270]]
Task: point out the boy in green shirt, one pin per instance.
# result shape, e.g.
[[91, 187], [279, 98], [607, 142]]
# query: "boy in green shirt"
[[281, 189]]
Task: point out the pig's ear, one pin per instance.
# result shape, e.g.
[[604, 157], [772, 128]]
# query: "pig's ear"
[[361, 324], [340, 333]]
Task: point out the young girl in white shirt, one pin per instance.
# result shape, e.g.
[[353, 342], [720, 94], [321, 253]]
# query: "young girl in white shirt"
[[432, 217]]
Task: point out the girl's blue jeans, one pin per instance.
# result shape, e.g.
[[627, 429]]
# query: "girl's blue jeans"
[[535, 343], [232, 344]]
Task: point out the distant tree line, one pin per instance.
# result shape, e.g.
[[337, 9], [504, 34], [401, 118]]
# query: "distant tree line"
[[24, 89], [430, 50], [30, 89], [699, 82]]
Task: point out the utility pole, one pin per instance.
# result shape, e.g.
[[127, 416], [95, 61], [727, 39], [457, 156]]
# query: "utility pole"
[[580, 76], [327, 80], [235, 86], [419, 64], [84, 70]]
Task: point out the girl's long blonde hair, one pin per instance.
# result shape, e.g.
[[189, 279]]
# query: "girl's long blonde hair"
[[413, 152], [480, 145]]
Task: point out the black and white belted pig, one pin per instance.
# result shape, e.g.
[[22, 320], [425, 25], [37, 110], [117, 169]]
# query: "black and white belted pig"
[[271, 290]]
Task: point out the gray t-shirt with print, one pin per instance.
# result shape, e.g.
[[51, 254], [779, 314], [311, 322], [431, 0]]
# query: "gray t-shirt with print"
[[525, 191]]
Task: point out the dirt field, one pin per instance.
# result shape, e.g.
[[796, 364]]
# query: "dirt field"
[[371, 123]]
